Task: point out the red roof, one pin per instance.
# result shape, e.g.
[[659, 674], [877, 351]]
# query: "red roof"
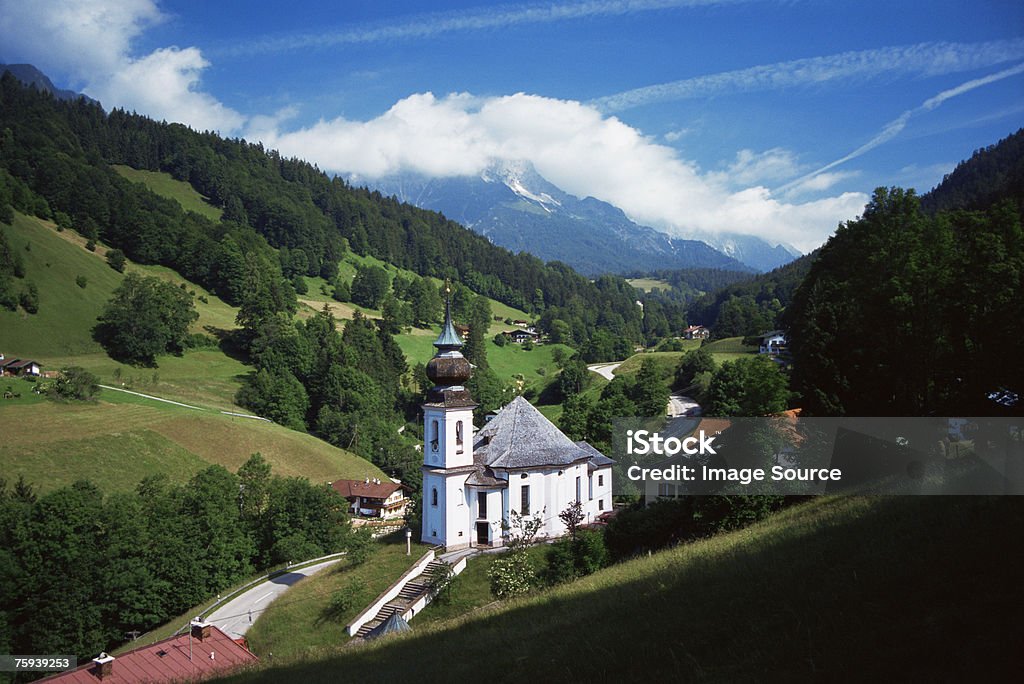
[[373, 489], [168, 661]]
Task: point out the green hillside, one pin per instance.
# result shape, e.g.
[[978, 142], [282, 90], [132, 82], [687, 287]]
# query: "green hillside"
[[836, 588], [60, 334], [163, 184], [122, 438]]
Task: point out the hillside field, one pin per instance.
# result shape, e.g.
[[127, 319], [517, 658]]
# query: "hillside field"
[[919, 587], [121, 439]]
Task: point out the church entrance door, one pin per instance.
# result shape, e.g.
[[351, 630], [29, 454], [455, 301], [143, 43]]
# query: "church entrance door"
[[481, 533]]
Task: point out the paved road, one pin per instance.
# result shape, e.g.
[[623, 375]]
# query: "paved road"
[[679, 405], [605, 370], [236, 616]]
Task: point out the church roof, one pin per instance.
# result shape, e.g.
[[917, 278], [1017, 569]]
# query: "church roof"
[[449, 338], [597, 459], [521, 437], [484, 477]]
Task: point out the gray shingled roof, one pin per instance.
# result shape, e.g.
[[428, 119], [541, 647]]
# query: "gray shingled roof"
[[484, 477], [521, 437], [597, 459]]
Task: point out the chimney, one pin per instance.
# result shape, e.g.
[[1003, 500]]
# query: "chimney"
[[103, 665], [200, 629]]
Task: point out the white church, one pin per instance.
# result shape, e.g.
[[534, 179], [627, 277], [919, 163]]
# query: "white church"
[[519, 461]]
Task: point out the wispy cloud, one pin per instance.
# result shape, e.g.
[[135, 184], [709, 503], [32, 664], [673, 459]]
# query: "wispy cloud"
[[474, 19], [894, 127], [924, 59]]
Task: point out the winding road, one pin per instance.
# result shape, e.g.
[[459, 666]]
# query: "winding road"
[[236, 616]]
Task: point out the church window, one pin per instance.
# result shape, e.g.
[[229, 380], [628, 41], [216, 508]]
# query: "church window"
[[524, 500], [433, 436], [600, 504], [590, 487], [578, 489], [600, 480], [433, 496], [458, 437], [481, 499]]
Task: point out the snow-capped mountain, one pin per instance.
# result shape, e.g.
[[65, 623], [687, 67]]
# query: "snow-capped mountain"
[[515, 207], [751, 250]]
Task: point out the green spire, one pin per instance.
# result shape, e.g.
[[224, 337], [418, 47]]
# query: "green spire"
[[449, 339]]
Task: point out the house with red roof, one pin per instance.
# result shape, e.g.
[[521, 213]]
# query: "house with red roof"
[[374, 498], [201, 653]]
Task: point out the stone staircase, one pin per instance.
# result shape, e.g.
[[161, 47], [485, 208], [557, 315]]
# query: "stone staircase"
[[414, 589]]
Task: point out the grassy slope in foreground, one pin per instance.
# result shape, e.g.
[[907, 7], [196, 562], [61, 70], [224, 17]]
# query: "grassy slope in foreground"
[[832, 589], [121, 439]]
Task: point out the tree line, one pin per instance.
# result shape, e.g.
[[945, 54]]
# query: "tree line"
[[79, 569], [57, 155]]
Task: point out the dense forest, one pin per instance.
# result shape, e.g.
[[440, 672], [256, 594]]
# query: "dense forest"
[[992, 174], [751, 306], [905, 313], [55, 162], [80, 569]]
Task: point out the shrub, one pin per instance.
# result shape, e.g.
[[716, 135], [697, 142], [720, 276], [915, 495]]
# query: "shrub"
[[511, 575], [116, 260], [76, 383], [81, 281]]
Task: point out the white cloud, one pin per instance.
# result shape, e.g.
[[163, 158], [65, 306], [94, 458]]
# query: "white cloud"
[[92, 41], [578, 149], [752, 168], [923, 59], [676, 135]]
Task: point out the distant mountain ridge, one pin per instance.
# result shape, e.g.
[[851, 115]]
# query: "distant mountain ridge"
[[31, 76], [515, 207]]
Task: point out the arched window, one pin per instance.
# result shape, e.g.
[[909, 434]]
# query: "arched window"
[[433, 435], [458, 437], [433, 496]]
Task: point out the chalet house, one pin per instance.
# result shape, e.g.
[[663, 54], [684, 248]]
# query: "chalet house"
[[696, 332], [518, 463], [20, 367], [204, 652], [463, 331], [374, 498], [521, 336], [773, 342]]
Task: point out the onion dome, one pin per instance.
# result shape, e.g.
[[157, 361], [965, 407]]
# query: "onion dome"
[[449, 369]]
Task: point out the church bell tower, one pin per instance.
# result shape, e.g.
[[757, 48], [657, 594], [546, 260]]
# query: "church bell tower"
[[447, 441]]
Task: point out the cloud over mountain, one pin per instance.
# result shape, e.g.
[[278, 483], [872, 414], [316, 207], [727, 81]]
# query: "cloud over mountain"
[[578, 149]]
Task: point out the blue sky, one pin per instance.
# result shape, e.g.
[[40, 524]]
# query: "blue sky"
[[774, 118]]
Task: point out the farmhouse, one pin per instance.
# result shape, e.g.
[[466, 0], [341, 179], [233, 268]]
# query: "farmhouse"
[[519, 462], [374, 498], [20, 367], [522, 336], [773, 342], [696, 332], [202, 653]]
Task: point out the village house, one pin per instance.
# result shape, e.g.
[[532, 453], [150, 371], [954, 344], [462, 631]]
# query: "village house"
[[773, 342], [522, 336], [519, 462], [374, 498], [696, 332], [204, 652], [20, 367]]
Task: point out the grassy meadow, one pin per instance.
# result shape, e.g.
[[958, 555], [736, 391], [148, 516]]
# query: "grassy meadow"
[[165, 185], [120, 439], [836, 588]]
